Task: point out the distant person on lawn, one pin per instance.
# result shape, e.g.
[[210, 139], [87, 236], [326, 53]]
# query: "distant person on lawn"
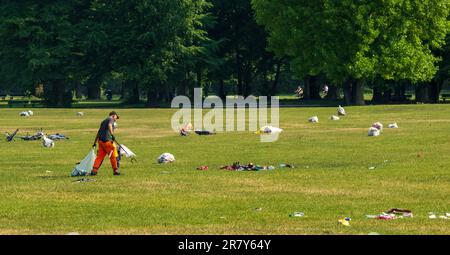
[[105, 138]]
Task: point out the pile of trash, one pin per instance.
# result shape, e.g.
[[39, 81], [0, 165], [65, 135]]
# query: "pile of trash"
[[376, 129], [26, 113], [392, 214], [80, 114], [236, 166], [204, 132], [166, 158], [314, 119], [186, 129], [85, 166]]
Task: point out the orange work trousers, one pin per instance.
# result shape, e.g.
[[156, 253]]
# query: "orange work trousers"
[[105, 149]]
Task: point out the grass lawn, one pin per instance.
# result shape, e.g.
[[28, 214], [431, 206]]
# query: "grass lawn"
[[331, 179]]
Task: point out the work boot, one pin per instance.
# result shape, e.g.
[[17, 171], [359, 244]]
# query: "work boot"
[[93, 173], [116, 173]]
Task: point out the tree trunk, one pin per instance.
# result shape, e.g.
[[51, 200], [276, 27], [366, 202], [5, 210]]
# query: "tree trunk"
[[348, 92], [222, 92], [240, 89], [435, 91], [314, 87], [307, 89], [56, 94], [78, 92], [333, 92], [123, 94], [422, 93], [377, 94], [135, 96], [358, 92], [93, 85], [152, 97], [273, 90]]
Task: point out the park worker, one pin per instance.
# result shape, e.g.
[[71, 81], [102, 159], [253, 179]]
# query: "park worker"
[[105, 138]]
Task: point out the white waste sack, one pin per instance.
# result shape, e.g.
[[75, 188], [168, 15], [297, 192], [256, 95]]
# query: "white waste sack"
[[314, 119], [270, 130], [30, 113], [393, 125], [48, 143], [334, 117], [25, 114], [378, 126], [166, 158], [124, 151], [341, 111], [374, 131], [80, 114], [85, 166]]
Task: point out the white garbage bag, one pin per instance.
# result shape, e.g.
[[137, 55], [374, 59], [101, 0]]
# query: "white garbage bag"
[[25, 114], [314, 119], [334, 117], [30, 113], [341, 111], [166, 158], [378, 126], [271, 130], [124, 151], [80, 114], [48, 143], [393, 125], [374, 131], [85, 166]]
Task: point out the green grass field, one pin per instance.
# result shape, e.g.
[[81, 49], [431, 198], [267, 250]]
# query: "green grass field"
[[331, 179]]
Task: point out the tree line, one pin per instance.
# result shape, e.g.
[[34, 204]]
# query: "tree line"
[[157, 49]]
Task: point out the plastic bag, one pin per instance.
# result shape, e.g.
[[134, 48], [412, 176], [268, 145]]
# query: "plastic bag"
[[85, 165], [48, 143], [378, 126], [374, 131], [341, 111], [127, 152], [334, 117], [314, 119], [166, 158]]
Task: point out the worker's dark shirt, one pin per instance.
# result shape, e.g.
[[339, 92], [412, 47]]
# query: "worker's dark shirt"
[[104, 134]]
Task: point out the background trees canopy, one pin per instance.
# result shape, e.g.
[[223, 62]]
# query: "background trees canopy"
[[156, 49]]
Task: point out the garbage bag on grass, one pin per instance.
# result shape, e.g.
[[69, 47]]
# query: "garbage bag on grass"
[[166, 158], [85, 166]]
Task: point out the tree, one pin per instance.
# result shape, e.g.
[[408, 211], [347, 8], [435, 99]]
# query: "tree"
[[355, 41]]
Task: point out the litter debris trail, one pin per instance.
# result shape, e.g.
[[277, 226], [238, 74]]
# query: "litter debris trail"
[[236, 166]]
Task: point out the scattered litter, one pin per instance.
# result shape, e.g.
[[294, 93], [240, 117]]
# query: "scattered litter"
[[345, 222], [392, 214], [26, 113], [334, 117], [186, 129], [203, 168], [341, 111], [372, 167], [286, 165], [236, 166], [204, 132], [314, 119], [378, 126], [84, 180], [125, 151], [444, 216], [258, 209], [47, 143], [269, 130], [80, 114], [166, 158], [393, 125], [48, 172], [73, 234], [10, 137], [297, 214], [374, 132], [222, 217], [85, 166], [58, 137]]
